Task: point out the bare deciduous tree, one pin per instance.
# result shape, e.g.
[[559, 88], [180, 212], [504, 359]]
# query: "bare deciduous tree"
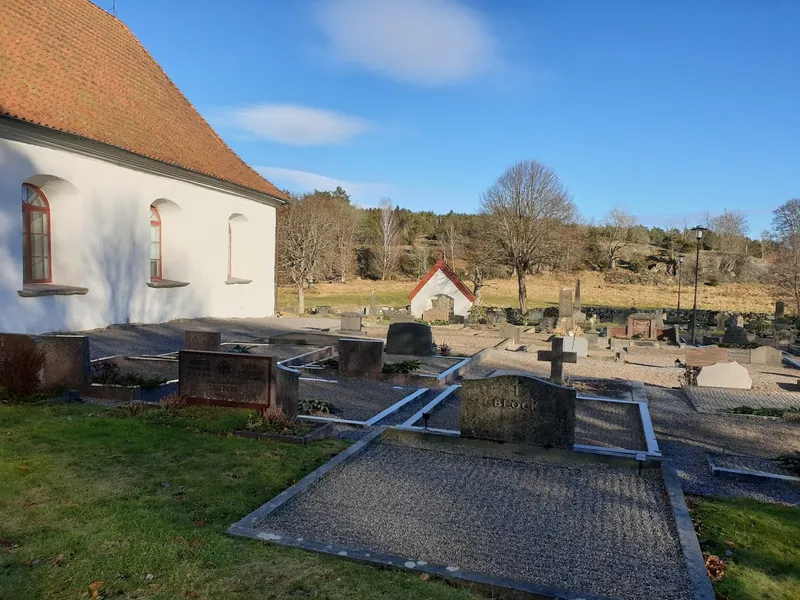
[[786, 268], [523, 206], [304, 238], [730, 229], [422, 257], [387, 250], [617, 233]]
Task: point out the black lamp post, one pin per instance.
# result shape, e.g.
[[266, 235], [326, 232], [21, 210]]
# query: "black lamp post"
[[699, 235], [680, 264]]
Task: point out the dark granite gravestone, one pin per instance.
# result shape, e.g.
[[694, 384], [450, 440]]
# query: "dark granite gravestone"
[[735, 335], [415, 339], [360, 356], [10, 343], [66, 360], [207, 341], [228, 379], [518, 409]]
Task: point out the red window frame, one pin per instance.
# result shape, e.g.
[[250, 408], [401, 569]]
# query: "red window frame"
[[27, 240], [157, 224]]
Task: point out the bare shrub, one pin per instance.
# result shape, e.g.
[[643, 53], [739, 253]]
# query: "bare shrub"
[[19, 371], [173, 403]]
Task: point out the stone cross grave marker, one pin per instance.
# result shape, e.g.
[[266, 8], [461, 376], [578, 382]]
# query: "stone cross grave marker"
[[228, 379], [518, 409], [557, 357]]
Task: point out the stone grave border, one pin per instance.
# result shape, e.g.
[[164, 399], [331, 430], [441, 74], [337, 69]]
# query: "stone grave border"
[[748, 474], [690, 547], [638, 392], [128, 393]]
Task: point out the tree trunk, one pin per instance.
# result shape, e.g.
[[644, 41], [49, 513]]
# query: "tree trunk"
[[523, 290], [301, 299]]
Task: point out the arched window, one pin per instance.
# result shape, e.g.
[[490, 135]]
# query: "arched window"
[[36, 265], [230, 251], [155, 243]]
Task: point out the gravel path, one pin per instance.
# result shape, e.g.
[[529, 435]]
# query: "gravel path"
[[710, 400], [597, 423], [137, 340], [588, 528], [685, 436], [355, 399]]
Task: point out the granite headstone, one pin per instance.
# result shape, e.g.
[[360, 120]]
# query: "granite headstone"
[[207, 341], [415, 339], [66, 360], [518, 409], [360, 356]]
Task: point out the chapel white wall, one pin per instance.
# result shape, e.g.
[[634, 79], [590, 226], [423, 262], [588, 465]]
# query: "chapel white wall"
[[439, 284], [100, 235]]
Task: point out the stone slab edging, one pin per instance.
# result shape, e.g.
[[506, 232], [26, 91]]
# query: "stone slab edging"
[[750, 475], [693, 555], [320, 433], [429, 406], [246, 528]]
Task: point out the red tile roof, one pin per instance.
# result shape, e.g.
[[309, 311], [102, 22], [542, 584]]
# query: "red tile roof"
[[71, 66], [442, 266]]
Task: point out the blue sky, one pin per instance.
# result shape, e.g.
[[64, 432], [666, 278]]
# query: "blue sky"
[[669, 109]]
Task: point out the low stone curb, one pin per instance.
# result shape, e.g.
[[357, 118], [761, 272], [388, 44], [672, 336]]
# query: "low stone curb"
[[320, 433]]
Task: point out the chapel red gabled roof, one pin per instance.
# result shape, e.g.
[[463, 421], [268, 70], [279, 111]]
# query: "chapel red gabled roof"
[[69, 65], [448, 272]]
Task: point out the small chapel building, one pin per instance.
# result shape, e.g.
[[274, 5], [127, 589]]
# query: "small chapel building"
[[118, 202], [439, 288]]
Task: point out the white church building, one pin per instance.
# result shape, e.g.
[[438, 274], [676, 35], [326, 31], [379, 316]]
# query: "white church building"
[[118, 202]]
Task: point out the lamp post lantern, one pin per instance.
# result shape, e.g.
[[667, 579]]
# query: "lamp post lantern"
[[699, 236], [680, 265]]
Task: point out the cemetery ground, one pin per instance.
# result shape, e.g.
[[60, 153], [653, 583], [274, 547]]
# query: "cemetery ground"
[[542, 292], [140, 499]]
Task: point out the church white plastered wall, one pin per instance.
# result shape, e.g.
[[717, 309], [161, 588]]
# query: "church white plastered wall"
[[100, 240]]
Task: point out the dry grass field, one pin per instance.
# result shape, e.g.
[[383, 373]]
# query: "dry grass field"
[[543, 291]]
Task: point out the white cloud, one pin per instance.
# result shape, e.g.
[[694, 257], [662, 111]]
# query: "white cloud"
[[430, 42], [303, 181], [296, 125]]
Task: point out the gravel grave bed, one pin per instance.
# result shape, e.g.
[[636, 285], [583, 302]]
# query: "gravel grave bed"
[[749, 463], [583, 527], [148, 369], [354, 399], [711, 400], [597, 423], [431, 365], [278, 351], [604, 388], [686, 436]]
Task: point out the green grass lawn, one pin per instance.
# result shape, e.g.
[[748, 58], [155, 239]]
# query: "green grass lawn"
[[84, 498], [764, 540]]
